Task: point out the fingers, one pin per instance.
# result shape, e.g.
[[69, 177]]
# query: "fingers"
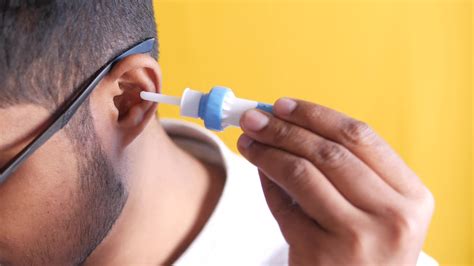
[[351, 177], [291, 219], [356, 136], [302, 181]]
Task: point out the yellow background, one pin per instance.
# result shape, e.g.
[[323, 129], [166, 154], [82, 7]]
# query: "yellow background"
[[402, 66]]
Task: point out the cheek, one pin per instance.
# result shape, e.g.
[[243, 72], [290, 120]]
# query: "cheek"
[[35, 198]]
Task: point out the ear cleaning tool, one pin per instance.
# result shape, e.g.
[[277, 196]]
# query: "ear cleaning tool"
[[219, 108]]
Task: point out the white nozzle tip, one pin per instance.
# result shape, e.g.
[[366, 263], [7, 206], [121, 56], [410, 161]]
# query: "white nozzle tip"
[[148, 96], [159, 98]]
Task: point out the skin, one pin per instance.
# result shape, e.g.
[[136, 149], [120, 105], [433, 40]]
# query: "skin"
[[339, 193], [37, 199]]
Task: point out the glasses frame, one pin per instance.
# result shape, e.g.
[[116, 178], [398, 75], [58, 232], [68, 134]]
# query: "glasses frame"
[[65, 113]]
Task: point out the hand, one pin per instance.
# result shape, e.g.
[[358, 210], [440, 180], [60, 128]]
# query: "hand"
[[339, 193]]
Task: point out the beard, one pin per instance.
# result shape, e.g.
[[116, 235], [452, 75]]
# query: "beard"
[[90, 212], [103, 196]]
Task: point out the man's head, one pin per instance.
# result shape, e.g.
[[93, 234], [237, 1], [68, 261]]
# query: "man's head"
[[61, 203]]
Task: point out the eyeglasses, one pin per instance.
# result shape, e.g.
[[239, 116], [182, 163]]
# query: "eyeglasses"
[[69, 109]]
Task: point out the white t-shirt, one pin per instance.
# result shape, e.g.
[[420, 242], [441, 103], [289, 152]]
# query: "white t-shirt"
[[241, 230]]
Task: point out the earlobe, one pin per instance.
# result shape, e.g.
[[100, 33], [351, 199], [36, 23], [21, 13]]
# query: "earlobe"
[[128, 113]]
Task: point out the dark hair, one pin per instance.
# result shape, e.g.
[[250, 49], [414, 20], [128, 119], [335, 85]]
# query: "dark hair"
[[48, 48]]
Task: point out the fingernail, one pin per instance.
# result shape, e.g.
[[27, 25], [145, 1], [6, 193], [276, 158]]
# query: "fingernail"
[[284, 106], [244, 141], [254, 120]]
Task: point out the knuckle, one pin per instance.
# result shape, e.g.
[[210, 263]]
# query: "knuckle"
[[280, 134], [314, 112], [405, 223], [357, 244], [297, 173], [427, 201], [402, 226], [357, 133], [330, 154]]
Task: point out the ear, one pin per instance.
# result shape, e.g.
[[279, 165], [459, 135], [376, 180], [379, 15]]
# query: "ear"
[[120, 115]]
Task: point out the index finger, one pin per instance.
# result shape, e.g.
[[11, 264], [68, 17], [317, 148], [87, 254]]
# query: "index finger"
[[355, 135]]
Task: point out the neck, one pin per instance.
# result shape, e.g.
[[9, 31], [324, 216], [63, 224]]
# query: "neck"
[[171, 196]]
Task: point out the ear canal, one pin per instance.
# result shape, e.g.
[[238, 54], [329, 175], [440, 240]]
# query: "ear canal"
[[130, 97]]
